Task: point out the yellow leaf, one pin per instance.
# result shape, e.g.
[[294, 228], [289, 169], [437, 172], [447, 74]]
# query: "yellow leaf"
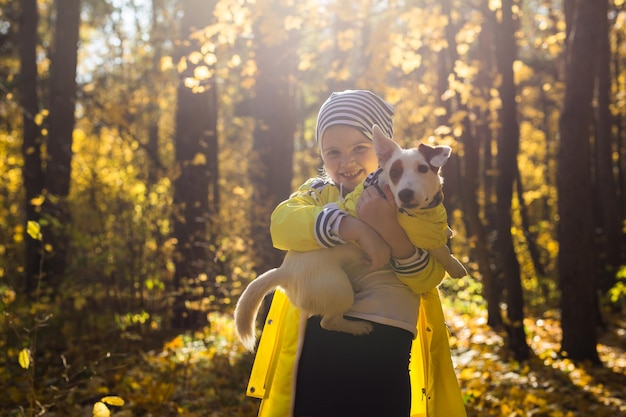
[[101, 410], [199, 159], [182, 64], [24, 358], [439, 111], [113, 400], [202, 72], [37, 201], [195, 57], [79, 303], [167, 63], [34, 230]]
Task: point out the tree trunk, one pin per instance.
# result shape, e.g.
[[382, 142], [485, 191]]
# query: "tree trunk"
[[609, 221], [508, 146], [476, 230], [59, 146], [620, 131], [196, 158], [531, 242], [446, 60], [468, 170], [575, 235], [32, 171], [271, 166], [153, 110]]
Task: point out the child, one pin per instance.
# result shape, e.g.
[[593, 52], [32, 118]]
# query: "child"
[[335, 373]]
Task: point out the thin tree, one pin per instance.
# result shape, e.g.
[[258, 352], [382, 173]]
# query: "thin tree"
[[58, 163], [577, 278], [620, 120], [508, 148], [32, 171], [472, 138], [478, 225], [196, 160], [153, 111], [605, 145], [271, 166]]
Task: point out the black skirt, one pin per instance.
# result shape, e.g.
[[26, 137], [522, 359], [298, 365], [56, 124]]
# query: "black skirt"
[[342, 375]]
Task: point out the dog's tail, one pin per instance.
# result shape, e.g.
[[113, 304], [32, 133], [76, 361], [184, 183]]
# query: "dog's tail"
[[248, 305]]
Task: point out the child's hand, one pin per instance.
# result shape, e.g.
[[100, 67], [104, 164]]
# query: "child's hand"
[[374, 208], [380, 213], [377, 251]]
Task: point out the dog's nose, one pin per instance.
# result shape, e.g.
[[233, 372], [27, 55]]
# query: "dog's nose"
[[406, 195]]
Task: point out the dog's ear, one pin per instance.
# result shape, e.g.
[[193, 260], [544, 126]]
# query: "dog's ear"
[[384, 146], [437, 156]]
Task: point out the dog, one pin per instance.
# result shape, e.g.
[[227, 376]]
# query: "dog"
[[318, 282]]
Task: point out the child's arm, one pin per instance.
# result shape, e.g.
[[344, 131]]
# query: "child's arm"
[[412, 265], [310, 220], [381, 214], [302, 223]]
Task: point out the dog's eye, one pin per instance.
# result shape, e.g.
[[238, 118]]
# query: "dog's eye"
[[423, 169]]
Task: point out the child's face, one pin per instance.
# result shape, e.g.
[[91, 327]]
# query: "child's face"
[[348, 156]]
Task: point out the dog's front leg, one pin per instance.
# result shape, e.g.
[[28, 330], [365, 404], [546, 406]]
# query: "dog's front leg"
[[449, 262]]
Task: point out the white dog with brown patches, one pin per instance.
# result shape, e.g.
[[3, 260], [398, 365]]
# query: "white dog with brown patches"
[[318, 282]]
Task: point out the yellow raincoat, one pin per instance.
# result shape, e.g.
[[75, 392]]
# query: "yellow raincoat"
[[435, 390]]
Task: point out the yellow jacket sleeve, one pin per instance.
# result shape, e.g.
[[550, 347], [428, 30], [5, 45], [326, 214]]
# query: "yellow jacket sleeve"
[[426, 228], [300, 213], [427, 279]]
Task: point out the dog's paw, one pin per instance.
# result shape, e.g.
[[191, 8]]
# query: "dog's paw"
[[360, 328], [339, 324], [456, 269]]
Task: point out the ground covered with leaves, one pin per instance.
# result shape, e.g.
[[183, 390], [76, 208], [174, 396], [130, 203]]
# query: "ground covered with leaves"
[[204, 374], [547, 385]]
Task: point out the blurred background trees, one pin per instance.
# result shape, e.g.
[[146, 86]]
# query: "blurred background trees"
[[148, 141]]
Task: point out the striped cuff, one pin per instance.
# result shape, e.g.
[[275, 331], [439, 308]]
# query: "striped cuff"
[[327, 227], [411, 265]]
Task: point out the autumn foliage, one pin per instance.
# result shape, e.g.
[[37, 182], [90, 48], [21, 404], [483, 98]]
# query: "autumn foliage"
[[140, 164]]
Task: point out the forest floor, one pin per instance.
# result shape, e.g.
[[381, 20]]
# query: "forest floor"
[[492, 382], [205, 374], [546, 385]]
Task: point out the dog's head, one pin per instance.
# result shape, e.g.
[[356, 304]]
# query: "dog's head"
[[412, 174]]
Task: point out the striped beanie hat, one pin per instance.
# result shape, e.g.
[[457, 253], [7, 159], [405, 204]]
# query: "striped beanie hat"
[[358, 108]]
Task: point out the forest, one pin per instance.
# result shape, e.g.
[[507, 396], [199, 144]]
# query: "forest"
[[147, 142]]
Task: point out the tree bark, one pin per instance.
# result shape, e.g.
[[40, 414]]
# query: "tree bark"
[[32, 171], [59, 146], [531, 242], [620, 123], [575, 235], [153, 110], [508, 147], [606, 183], [446, 60], [468, 188], [271, 166], [196, 159]]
